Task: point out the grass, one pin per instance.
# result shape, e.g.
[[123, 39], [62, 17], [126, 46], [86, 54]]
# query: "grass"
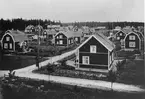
[[16, 61], [132, 73], [24, 88]]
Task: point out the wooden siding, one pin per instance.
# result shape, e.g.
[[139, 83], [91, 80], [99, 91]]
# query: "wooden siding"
[[137, 42], [101, 59], [8, 42], [64, 39], [121, 37], [93, 41]]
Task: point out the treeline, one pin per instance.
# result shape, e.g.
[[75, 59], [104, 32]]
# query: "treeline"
[[20, 23], [108, 25]]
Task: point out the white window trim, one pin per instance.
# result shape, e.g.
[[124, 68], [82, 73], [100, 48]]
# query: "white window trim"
[[132, 44], [84, 59], [93, 48], [10, 46], [7, 38], [132, 37], [5, 45], [60, 42]]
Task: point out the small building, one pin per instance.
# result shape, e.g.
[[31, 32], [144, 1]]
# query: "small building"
[[96, 53], [30, 29], [132, 41], [14, 40], [78, 36], [120, 35], [64, 38], [49, 33]]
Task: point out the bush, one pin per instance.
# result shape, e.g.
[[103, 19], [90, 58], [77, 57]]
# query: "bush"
[[120, 64]]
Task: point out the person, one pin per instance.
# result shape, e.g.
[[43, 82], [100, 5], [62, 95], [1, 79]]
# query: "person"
[[37, 61]]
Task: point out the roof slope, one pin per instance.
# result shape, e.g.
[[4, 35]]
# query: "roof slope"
[[102, 39], [18, 36]]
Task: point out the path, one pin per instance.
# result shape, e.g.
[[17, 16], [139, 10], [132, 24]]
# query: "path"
[[27, 72]]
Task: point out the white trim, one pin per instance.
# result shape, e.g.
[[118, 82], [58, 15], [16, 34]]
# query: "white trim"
[[136, 35], [108, 60], [7, 33], [89, 39]]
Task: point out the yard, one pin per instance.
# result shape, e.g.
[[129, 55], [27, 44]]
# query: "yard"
[[11, 62], [23, 88], [132, 73]]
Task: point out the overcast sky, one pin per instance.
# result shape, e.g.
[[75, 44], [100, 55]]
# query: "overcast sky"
[[74, 10]]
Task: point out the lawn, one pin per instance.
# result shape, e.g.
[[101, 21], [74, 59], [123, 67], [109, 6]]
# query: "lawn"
[[23, 88], [132, 72], [17, 61]]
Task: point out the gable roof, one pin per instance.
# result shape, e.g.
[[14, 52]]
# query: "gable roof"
[[18, 36], [102, 39], [52, 31]]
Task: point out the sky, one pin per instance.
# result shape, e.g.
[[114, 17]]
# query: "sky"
[[74, 10]]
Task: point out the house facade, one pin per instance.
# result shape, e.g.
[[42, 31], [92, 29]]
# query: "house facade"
[[132, 41], [13, 40], [120, 35], [95, 53]]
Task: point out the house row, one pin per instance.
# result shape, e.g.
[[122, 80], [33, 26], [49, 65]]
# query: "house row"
[[130, 39]]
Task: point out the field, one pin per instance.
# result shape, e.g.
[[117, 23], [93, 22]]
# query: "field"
[[11, 62]]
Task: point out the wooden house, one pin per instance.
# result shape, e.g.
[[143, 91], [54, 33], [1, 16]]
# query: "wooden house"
[[96, 53], [14, 40], [120, 35], [49, 33], [64, 38], [78, 36], [30, 29], [132, 41]]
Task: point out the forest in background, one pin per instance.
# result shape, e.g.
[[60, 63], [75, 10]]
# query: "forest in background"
[[20, 23]]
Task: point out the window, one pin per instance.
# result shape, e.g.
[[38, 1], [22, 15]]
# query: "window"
[[131, 37], [93, 49], [120, 34], [10, 45], [60, 42], [86, 60], [76, 39], [118, 38], [60, 36], [5, 45], [7, 38], [57, 42], [131, 44], [57, 37]]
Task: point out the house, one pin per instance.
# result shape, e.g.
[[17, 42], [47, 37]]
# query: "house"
[[133, 41], [96, 53], [14, 40], [120, 35], [38, 29], [78, 36], [30, 29], [49, 33], [64, 38]]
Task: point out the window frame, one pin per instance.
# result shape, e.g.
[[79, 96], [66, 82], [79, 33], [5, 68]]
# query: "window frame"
[[92, 47], [132, 44], [7, 38], [86, 60], [131, 37]]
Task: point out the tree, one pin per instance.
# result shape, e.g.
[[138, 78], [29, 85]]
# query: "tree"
[[112, 75]]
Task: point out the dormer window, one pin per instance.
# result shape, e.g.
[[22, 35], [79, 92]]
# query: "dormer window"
[[93, 49]]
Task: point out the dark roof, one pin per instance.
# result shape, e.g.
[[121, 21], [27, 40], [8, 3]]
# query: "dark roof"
[[102, 39], [18, 36]]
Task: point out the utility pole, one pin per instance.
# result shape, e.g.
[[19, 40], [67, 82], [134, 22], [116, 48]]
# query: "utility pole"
[[38, 45]]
